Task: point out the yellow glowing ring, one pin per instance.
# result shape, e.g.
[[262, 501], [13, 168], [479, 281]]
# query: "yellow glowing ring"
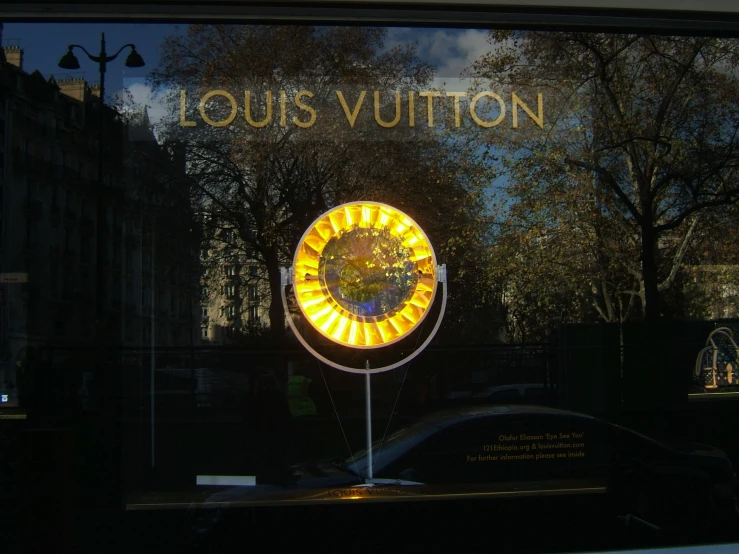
[[408, 291]]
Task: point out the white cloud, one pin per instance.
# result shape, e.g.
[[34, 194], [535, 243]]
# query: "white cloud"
[[136, 94], [450, 51]]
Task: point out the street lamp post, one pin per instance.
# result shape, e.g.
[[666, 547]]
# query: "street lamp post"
[[70, 61]]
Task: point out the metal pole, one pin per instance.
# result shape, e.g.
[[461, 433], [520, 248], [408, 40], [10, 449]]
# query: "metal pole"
[[153, 331], [100, 241], [368, 414], [103, 66], [124, 272]]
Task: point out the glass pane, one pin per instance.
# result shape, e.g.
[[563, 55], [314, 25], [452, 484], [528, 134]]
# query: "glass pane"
[[215, 237]]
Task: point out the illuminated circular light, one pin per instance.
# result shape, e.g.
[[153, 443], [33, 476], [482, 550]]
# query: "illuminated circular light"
[[364, 274]]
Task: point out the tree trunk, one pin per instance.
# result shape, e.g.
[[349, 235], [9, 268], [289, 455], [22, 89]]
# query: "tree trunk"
[[277, 317], [276, 312], [649, 273]]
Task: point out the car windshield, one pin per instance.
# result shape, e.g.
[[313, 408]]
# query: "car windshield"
[[631, 436], [416, 430]]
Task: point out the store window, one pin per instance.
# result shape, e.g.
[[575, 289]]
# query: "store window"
[[531, 214]]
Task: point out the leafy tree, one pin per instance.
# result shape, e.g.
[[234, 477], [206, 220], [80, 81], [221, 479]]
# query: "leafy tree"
[[712, 267], [639, 138], [559, 256], [262, 182]]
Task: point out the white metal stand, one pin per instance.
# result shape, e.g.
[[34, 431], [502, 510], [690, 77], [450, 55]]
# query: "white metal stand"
[[367, 371], [368, 415], [286, 275]]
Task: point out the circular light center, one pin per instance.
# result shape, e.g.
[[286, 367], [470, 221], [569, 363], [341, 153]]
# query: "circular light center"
[[368, 272], [364, 275]]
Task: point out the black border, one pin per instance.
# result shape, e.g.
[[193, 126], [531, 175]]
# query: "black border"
[[387, 14]]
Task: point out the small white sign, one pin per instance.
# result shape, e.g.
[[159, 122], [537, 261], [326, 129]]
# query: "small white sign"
[[227, 480], [3, 397]]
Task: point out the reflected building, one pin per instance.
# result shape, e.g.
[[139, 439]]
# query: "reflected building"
[[144, 269], [234, 288]]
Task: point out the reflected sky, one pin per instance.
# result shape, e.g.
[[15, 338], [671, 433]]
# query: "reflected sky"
[[43, 44]]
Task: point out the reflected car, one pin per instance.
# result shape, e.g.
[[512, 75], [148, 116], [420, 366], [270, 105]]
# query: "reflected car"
[[508, 451], [527, 393]]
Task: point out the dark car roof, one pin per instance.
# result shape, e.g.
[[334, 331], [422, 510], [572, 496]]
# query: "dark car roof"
[[408, 437], [453, 416]]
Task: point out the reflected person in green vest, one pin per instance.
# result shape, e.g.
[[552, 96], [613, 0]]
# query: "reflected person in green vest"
[[304, 420], [301, 404]]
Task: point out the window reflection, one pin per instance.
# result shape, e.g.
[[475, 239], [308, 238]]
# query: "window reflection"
[[579, 186]]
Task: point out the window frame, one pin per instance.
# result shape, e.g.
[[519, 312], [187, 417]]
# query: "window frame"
[[713, 17]]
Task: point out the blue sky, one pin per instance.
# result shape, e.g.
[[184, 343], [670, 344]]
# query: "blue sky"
[[44, 44], [450, 50]]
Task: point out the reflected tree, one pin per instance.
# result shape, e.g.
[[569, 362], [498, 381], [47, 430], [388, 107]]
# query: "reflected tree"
[[368, 271], [290, 150], [638, 147]]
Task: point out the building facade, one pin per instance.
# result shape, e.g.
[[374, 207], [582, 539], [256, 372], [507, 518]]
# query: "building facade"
[[234, 289], [89, 250]]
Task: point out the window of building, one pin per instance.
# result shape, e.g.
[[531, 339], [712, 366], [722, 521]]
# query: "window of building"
[[53, 278], [85, 248], [129, 259], [60, 327], [253, 314], [85, 326], [204, 332], [116, 251]]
